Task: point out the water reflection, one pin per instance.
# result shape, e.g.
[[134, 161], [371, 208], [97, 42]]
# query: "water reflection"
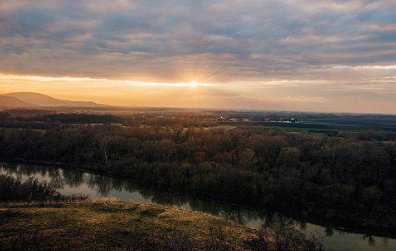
[[99, 186]]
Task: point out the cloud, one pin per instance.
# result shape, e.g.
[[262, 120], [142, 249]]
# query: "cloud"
[[261, 36], [299, 42], [13, 78], [47, 79]]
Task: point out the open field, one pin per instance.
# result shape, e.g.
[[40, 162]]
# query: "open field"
[[330, 124]]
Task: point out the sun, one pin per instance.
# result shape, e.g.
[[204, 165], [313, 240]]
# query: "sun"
[[193, 84]]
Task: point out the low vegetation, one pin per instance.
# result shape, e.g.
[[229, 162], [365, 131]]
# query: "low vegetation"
[[12, 189], [110, 225]]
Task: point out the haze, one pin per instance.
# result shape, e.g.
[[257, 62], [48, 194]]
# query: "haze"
[[310, 55]]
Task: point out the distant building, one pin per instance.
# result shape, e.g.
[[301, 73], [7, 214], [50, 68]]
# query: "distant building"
[[258, 119], [282, 120]]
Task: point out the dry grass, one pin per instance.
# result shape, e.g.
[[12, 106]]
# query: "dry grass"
[[98, 225], [113, 225]]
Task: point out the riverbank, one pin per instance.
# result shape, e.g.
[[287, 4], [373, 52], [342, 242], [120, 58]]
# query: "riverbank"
[[316, 214]]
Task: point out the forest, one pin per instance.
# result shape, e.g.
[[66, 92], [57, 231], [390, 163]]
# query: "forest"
[[336, 180]]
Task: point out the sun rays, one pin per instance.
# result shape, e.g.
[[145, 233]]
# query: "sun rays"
[[12, 78]]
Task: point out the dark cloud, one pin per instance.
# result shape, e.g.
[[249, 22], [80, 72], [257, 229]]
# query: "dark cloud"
[[240, 40]]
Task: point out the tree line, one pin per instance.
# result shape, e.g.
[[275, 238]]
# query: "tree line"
[[329, 178]]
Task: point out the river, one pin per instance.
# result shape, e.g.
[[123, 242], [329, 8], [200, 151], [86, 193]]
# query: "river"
[[69, 182]]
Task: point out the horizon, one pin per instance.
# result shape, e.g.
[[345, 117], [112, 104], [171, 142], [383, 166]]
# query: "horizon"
[[314, 56], [194, 108]]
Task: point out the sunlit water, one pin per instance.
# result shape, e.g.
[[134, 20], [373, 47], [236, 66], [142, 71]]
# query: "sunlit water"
[[101, 187]]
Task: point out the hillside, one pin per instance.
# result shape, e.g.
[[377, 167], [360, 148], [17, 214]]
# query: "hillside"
[[89, 225], [45, 100], [9, 101], [113, 225]]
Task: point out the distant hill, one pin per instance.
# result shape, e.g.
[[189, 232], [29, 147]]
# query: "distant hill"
[[44, 100], [12, 102]]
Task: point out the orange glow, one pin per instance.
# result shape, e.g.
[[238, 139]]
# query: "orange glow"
[[193, 84]]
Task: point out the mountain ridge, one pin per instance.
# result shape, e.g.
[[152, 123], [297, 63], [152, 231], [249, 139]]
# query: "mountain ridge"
[[12, 102], [37, 99]]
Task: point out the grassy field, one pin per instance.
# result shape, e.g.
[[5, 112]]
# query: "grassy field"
[[116, 226], [107, 225], [331, 124], [329, 127]]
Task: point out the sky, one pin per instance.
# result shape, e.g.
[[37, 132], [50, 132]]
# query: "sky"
[[306, 55]]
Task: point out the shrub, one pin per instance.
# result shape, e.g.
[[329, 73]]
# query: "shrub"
[[14, 189]]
